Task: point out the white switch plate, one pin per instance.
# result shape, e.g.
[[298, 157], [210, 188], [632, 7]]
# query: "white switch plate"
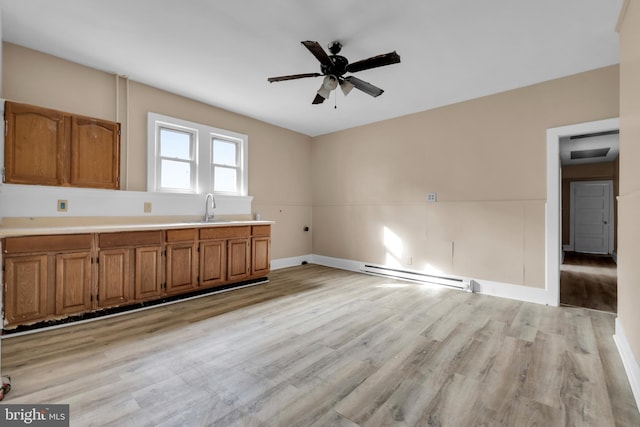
[[432, 197]]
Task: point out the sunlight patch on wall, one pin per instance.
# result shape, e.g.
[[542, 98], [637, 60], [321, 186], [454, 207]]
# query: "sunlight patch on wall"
[[393, 246]]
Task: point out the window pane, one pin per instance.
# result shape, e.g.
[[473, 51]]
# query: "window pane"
[[224, 179], [175, 175], [175, 144], [224, 152]]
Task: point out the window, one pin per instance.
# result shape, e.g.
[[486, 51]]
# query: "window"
[[187, 157], [225, 166], [176, 162]]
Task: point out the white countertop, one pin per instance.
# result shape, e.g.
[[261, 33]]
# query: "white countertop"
[[114, 228]]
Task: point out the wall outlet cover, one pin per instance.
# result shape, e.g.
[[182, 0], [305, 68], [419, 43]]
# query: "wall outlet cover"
[[63, 205], [147, 207], [432, 197]]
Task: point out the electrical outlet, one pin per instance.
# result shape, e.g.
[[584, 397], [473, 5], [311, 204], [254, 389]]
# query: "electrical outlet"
[[432, 197], [147, 207], [63, 205], [408, 260]]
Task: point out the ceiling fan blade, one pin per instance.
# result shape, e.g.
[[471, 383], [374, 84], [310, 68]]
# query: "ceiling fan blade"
[[292, 77], [318, 52], [366, 87], [374, 61], [319, 99]]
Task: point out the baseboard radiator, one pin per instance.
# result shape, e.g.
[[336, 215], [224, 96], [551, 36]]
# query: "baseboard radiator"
[[464, 284]]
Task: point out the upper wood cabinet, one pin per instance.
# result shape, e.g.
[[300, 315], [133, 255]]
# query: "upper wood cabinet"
[[34, 145], [49, 147], [95, 153]]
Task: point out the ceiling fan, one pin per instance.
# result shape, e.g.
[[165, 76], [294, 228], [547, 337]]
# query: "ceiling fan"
[[333, 67]]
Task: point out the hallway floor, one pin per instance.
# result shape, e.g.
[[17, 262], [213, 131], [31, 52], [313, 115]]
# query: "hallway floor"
[[589, 281]]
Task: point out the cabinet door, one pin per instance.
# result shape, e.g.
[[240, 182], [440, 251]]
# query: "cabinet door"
[[213, 262], [260, 256], [73, 282], [238, 259], [148, 275], [114, 279], [182, 267], [25, 287], [34, 145], [95, 153]]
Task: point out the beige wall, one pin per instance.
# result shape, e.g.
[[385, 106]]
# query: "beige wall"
[[587, 172], [486, 160], [279, 159], [629, 200]]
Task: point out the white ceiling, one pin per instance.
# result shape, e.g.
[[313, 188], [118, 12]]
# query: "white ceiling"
[[222, 51]]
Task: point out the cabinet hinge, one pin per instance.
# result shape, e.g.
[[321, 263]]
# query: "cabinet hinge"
[[6, 127]]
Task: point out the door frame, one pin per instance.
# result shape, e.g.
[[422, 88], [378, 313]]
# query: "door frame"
[[553, 230], [611, 222]]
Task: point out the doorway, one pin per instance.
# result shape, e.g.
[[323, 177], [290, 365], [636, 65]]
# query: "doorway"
[[589, 171], [553, 211]]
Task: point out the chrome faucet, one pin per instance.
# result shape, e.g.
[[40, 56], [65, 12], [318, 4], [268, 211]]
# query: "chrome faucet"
[[207, 216]]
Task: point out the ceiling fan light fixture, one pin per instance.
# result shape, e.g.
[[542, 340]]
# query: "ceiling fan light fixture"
[[330, 82], [346, 87]]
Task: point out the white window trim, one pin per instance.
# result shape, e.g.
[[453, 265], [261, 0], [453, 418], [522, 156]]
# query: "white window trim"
[[203, 153]]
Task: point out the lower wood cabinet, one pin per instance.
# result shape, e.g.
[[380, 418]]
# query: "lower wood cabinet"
[[182, 265], [213, 263], [114, 277], [51, 277], [130, 267], [25, 297], [260, 255], [182, 260], [148, 273], [73, 279], [238, 259]]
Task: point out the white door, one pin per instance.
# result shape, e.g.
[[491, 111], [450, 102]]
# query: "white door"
[[591, 216]]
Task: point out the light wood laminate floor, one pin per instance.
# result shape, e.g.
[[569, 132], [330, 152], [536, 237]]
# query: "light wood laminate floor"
[[324, 347], [589, 281]]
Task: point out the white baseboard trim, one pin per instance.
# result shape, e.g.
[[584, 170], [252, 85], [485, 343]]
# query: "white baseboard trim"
[[342, 264], [485, 287], [631, 365], [511, 291], [277, 264]]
